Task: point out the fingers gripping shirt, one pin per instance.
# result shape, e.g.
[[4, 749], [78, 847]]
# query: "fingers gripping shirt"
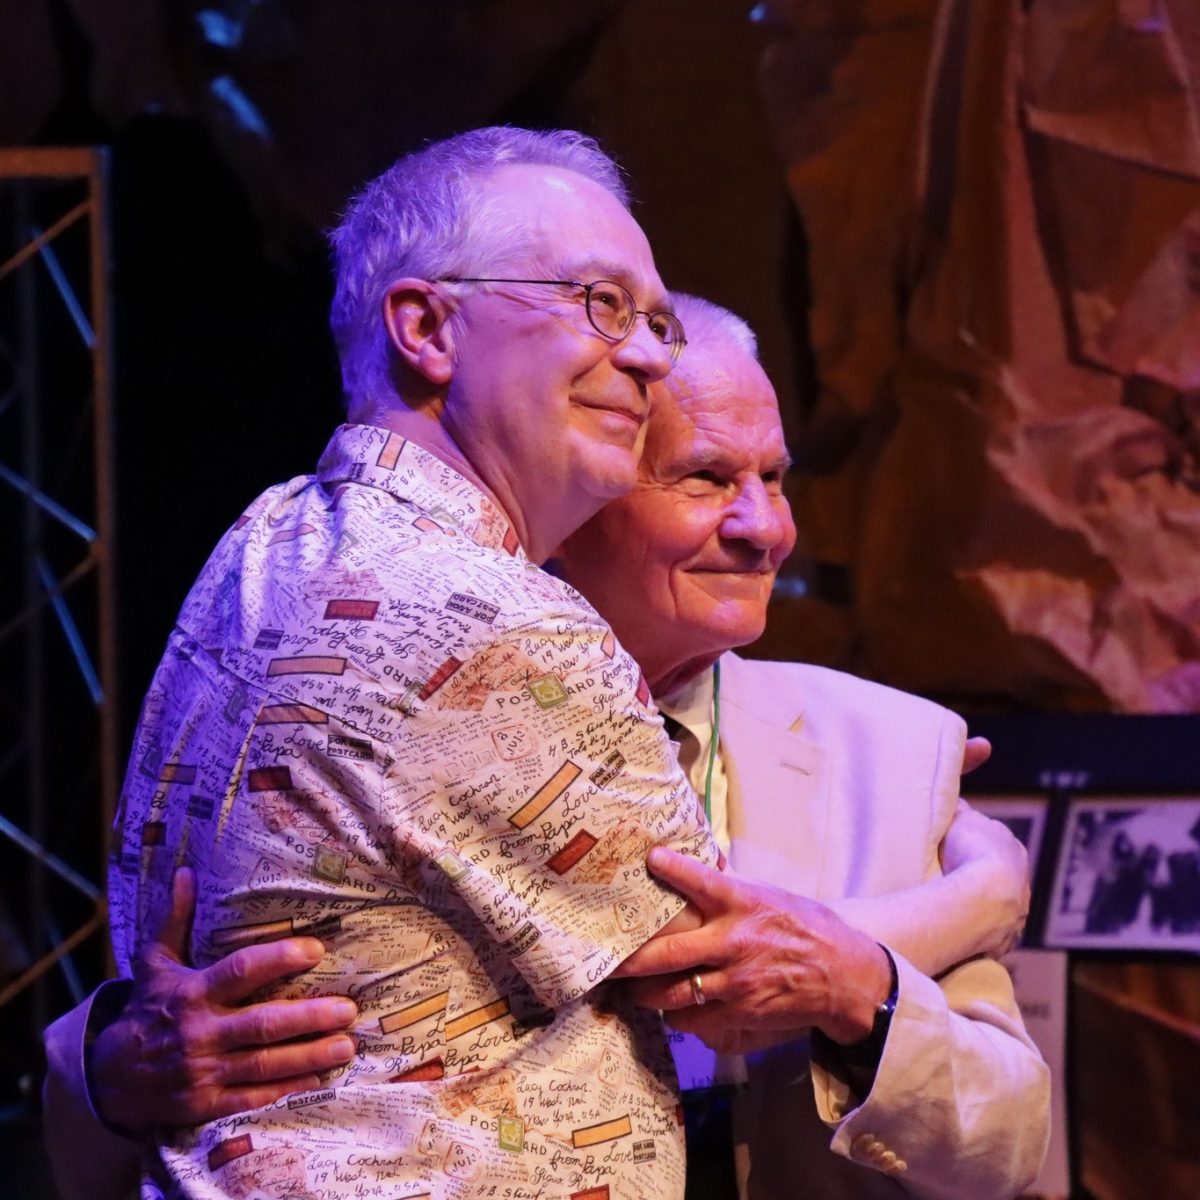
[[378, 723]]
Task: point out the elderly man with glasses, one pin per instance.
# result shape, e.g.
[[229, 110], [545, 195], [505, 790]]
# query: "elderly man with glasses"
[[380, 723], [860, 802]]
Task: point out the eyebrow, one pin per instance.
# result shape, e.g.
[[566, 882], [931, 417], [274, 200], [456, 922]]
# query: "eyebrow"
[[716, 457], [588, 270]]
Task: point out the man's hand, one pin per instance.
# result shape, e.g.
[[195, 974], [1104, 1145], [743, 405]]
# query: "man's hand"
[[976, 752], [984, 852], [182, 1052], [770, 963]]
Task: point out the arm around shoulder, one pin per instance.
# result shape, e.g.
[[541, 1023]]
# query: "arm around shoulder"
[[89, 1161]]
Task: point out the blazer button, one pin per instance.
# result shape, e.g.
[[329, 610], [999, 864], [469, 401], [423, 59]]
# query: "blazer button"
[[866, 1145]]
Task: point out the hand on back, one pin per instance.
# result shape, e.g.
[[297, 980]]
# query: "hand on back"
[[187, 1048]]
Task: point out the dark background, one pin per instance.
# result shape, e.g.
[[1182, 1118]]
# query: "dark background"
[[225, 377]]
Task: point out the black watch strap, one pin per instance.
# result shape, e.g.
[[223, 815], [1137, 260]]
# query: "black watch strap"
[[868, 1051]]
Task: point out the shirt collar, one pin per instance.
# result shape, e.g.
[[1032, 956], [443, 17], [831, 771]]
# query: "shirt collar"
[[384, 459], [691, 703]]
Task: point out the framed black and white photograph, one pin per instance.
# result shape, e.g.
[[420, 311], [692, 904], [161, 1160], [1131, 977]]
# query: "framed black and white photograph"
[[1128, 875]]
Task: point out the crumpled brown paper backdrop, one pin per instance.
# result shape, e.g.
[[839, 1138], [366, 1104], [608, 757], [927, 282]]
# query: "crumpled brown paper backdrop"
[[1003, 205], [1001, 202]]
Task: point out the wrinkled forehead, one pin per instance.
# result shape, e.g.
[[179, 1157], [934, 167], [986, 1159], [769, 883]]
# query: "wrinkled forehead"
[[717, 405], [567, 226]]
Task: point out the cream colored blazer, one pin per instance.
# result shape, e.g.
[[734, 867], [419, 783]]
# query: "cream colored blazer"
[[853, 786]]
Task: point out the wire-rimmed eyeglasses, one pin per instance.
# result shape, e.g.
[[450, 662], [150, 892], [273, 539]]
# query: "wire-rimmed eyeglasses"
[[610, 308]]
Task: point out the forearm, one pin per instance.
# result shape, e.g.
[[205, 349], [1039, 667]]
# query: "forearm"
[[939, 923], [89, 1161]]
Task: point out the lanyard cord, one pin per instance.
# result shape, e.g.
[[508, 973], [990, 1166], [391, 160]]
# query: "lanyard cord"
[[712, 745]]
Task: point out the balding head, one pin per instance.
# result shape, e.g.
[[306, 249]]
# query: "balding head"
[[428, 215]]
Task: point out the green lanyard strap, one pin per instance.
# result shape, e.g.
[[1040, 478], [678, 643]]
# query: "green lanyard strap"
[[712, 745]]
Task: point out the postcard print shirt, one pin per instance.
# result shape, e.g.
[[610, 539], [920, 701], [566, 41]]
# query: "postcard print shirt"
[[378, 723]]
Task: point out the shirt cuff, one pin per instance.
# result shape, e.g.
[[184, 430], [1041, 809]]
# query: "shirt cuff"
[[106, 1006]]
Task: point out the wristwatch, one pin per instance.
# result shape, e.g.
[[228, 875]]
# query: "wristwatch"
[[868, 1051]]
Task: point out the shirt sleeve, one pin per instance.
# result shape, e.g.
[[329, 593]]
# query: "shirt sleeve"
[[460, 753], [960, 1101], [550, 777]]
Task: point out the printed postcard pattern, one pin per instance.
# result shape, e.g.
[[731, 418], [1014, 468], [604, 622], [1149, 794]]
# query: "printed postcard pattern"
[[378, 723]]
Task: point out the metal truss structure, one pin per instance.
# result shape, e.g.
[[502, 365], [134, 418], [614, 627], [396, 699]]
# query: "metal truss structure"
[[58, 672]]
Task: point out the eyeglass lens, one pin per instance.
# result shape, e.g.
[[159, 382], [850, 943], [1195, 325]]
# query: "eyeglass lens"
[[612, 311]]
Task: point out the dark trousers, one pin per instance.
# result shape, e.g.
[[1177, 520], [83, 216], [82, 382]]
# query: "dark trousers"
[[708, 1118]]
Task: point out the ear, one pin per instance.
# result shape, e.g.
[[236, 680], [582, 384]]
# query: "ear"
[[417, 319]]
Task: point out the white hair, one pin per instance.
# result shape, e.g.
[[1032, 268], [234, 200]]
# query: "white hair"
[[427, 217], [704, 322]]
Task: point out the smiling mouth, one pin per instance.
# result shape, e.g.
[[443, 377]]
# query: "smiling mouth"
[[748, 584], [754, 571], [749, 578], [636, 417]]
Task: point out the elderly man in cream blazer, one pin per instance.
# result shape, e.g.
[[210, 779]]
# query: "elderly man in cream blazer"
[[835, 799], [825, 786]]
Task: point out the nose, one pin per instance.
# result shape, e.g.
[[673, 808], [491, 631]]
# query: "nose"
[[762, 518], [642, 354]]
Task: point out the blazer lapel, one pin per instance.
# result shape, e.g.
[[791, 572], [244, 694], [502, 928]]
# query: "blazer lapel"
[[778, 781]]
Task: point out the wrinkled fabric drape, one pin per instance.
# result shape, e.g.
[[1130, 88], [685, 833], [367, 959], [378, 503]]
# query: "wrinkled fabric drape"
[[1001, 211], [1003, 205]]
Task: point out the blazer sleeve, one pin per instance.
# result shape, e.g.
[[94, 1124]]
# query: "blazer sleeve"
[[89, 1161], [960, 1104]]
